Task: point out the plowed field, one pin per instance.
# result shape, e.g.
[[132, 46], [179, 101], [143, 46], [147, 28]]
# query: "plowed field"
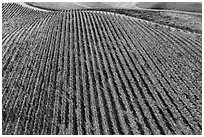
[[86, 72]]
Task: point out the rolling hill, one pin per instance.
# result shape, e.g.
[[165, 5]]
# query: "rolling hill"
[[89, 72], [179, 6]]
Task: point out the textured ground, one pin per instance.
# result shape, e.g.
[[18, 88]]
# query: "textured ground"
[[86, 72]]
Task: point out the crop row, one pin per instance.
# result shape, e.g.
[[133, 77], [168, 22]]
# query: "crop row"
[[14, 10]]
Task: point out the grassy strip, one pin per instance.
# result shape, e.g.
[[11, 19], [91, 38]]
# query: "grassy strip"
[[40, 7]]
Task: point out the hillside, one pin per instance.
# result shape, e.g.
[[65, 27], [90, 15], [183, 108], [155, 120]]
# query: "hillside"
[[82, 72], [187, 21], [123, 5], [180, 6], [69, 5]]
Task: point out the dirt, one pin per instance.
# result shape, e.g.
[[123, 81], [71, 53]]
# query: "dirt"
[[188, 22]]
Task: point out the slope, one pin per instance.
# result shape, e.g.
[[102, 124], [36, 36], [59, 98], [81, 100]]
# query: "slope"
[[87, 72]]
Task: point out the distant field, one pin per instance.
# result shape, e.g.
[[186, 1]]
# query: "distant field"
[[180, 6], [83, 5], [123, 5], [68, 5]]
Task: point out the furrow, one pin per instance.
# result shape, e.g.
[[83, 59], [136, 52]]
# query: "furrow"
[[182, 113], [173, 71]]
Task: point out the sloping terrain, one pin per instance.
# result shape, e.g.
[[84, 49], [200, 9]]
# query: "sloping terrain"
[[180, 6], [179, 20], [88, 72], [69, 5], [123, 5], [83, 5], [188, 21]]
